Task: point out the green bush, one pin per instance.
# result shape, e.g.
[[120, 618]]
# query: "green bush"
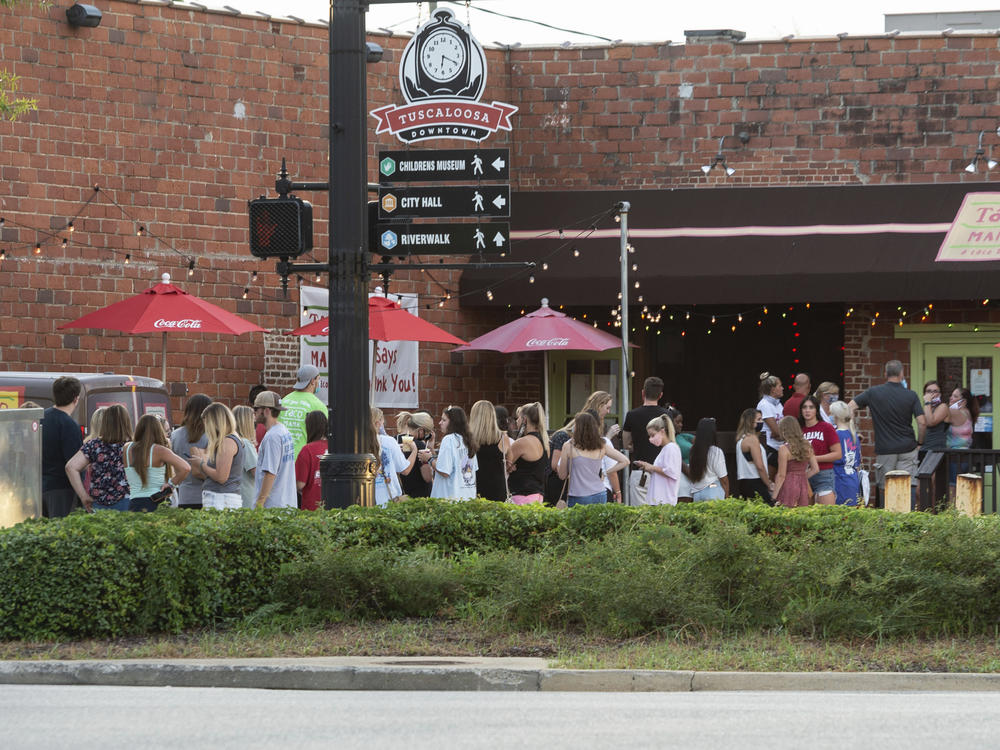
[[721, 565]]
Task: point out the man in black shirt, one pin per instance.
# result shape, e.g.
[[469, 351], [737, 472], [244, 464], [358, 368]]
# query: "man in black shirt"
[[61, 439], [893, 407], [635, 439]]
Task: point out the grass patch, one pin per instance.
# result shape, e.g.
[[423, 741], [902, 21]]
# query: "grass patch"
[[687, 650]]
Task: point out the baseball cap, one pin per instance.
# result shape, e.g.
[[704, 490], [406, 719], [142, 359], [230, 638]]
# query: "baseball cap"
[[269, 399], [306, 374]]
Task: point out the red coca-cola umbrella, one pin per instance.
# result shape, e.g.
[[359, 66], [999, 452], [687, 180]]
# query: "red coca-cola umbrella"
[[544, 329], [163, 308], [387, 321]]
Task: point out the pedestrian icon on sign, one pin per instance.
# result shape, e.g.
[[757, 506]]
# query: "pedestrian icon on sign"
[[480, 239], [477, 164], [477, 201]]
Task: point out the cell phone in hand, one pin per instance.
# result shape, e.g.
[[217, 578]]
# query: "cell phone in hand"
[[159, 497]]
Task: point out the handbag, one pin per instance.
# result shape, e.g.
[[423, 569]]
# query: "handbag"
[[563, 493]]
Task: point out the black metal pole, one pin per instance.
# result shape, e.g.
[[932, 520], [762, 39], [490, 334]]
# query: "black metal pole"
[[348, 468]]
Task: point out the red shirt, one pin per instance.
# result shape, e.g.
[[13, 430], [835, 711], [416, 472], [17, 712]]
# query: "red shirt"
[[823, 437], [307, 470], [792, 405], [260, 430]]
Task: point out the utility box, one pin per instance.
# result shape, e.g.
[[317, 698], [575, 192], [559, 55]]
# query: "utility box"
[[21, 469]]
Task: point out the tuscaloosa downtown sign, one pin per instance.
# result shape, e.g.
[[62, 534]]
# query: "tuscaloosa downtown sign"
[[442, 75]]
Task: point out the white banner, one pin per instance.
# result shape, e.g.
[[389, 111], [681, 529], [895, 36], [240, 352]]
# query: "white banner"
[[396, 362]]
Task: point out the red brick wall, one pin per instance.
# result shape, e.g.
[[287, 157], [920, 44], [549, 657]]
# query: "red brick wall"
[[181, 116]]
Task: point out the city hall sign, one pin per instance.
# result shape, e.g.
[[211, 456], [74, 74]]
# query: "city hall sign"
[[442, 75]]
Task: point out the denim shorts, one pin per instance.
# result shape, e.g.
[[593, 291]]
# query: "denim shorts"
[[712, 492], [822, 483], [120, 505], [596, 499]]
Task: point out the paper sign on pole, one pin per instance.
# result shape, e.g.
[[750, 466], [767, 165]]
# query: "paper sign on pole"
[[396, 362], [975, 233]]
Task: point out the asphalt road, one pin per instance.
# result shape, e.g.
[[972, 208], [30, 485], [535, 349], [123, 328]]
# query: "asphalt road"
[[132, 718]]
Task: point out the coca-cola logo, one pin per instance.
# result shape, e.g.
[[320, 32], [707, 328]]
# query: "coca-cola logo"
[[185, 323], [547, 342]]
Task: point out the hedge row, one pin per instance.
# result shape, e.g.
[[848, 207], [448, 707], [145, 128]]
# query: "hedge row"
[[111, 574]]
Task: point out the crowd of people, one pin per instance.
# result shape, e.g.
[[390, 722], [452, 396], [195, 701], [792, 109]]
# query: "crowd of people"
[[267, 455]]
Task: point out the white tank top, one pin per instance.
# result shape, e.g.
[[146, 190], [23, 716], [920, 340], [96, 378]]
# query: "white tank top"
[[744, 469]]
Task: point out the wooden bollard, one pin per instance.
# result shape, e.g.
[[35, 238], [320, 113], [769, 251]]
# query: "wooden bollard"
[[969, 494], [897, 491]]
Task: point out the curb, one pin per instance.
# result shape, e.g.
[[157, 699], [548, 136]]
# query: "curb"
[[461, 674]]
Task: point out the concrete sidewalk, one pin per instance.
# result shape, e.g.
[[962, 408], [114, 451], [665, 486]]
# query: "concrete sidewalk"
[[457, 673]]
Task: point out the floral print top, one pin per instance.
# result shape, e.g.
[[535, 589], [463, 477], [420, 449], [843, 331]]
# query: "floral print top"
[[108, 483]]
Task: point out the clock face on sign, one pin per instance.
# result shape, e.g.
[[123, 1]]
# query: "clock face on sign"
[[443, 55]]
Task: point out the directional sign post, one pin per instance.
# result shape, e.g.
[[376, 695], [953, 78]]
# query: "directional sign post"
[[488, 238], [445, 164], [464, 200]]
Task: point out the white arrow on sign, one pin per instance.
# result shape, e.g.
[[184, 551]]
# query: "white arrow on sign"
[[499, 239], [499, 202], [498, 164]]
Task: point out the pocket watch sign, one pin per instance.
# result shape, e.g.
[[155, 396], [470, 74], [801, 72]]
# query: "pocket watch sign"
[[442, 75]]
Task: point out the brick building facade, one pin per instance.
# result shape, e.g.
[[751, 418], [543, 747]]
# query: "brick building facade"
[[181, 115]]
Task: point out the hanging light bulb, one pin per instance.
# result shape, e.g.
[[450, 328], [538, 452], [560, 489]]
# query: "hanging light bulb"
[[531, 279], [635, 266], [489, 294], [576, 253], [38, 248], [618, 218], [545, 266], [317, 278], [128, 257], [713, 320], [70, 227], [687, 316], [191, 269], [140, 231], [739, 318], [3, 255], [246, 292], [64, 243], [253, 276]]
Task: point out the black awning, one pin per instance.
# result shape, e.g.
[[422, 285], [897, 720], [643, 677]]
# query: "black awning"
[[848, 267]]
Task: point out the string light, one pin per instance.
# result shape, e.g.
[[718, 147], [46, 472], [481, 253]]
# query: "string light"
[[318, 279], [576, 253], [140, 231], [253, 276], [531, 280], [3, 255], [70, 227], [545, 266], [191, 269], [128, 257], [489, 294], [38, 248], [246, 292], [65, 242]]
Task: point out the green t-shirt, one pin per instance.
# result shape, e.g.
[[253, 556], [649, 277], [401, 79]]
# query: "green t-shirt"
[[297, 404]]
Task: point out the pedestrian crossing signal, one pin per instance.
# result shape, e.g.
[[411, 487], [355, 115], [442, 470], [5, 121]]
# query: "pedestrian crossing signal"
[[280, 227]]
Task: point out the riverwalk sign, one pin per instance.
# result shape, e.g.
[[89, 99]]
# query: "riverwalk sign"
[[485, 238], [444, 164]]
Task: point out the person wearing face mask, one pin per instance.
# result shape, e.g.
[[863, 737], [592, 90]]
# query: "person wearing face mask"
[[665, 470], [827, 394], [751, 471], [963, 409]]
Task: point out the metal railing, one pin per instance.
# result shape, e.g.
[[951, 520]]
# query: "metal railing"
[[938, 470]]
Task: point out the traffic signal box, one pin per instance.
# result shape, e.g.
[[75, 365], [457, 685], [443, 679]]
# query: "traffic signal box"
[[280, 227]]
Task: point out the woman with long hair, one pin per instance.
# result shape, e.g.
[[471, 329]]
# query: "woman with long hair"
[[221, 461], [95, 423], [796, 463], [191, 433], [826, 446], [308, 478], [391, 462], [581, 462], [455, 466], [601, 402], [751, 471], [528, 458], [150, 466], [103, 454], [418, 435], [706, 472], [245, 428], [826, 394], [555, 489], [491, 456], [665, 471], [846, 471]]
